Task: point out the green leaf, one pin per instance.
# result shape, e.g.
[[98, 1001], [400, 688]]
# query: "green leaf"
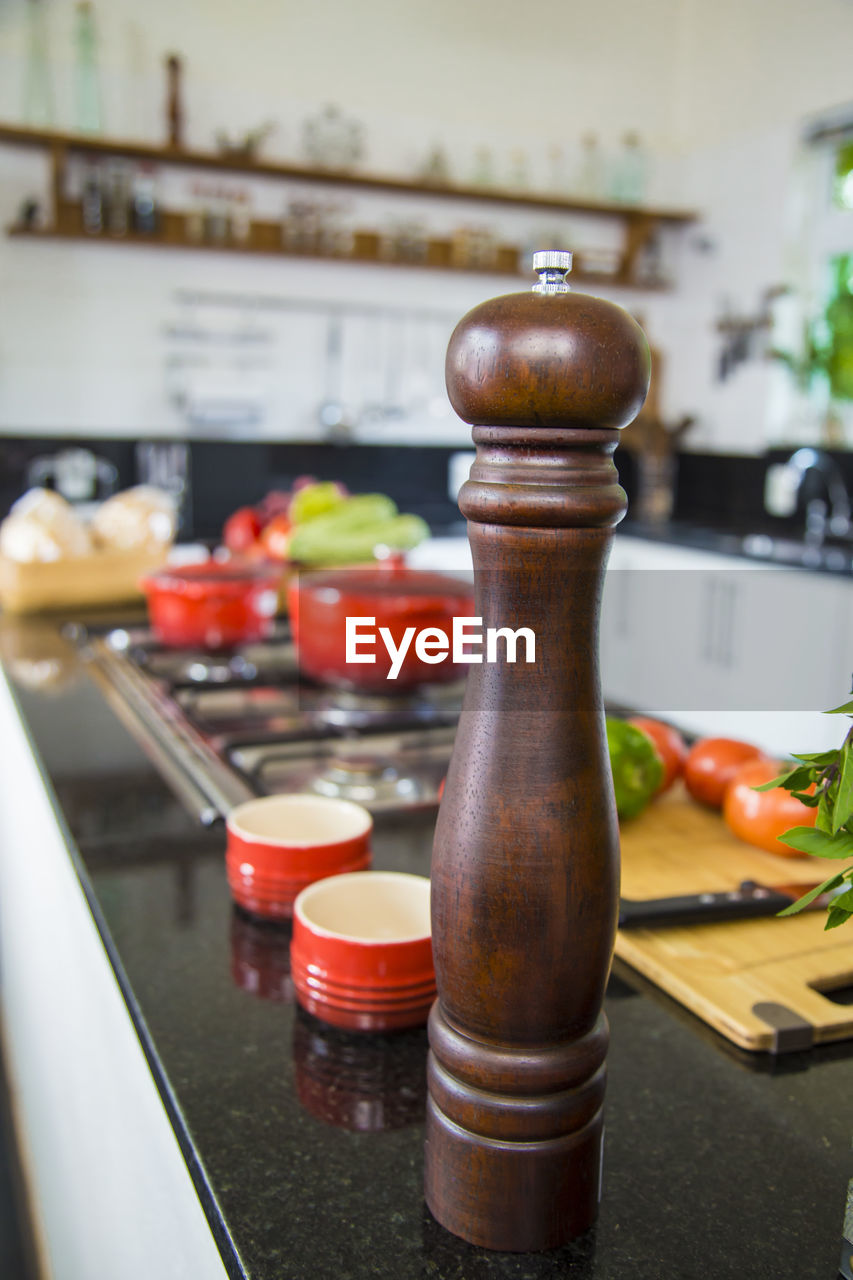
[[823, 822], [845, 710], [780, 781], [819, 758], [832, 883], [819, 843], [843, 808], [809, 800], [844, 900], [791, 781], [836, 916]]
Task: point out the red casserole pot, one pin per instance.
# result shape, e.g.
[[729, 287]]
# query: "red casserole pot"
[[396, 597], [213, 605]]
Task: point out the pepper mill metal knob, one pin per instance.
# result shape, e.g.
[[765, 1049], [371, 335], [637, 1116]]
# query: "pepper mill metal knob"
[[525, 872]]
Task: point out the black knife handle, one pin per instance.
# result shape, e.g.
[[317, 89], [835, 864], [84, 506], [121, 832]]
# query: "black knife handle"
[[750, 900]]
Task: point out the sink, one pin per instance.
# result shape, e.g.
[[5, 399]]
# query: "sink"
[[763, 546]]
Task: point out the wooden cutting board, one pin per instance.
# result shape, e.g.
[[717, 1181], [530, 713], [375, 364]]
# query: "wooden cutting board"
[[758, 982]]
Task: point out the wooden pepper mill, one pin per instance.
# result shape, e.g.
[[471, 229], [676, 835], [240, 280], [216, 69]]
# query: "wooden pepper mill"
[[525, 872]]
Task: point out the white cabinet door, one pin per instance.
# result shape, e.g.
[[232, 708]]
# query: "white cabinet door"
[[782, 637], [772, 658], [723, 645], [655, 626]]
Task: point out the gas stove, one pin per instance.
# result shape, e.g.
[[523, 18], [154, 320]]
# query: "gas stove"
[[224, 728]]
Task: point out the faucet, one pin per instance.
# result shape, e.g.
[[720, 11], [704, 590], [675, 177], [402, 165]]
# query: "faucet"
[[821, 517]]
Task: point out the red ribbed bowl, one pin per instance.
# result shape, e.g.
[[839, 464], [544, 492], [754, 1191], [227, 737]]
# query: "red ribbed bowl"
[[213, 605], [361, 955], [279, 845]]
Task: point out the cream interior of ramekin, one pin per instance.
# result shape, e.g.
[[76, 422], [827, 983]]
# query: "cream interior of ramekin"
[[299, 820], [368, 906]]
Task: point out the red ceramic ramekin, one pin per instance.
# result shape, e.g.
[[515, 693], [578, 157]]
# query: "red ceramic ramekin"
[[213, 605], [278, 845], [361, 955]]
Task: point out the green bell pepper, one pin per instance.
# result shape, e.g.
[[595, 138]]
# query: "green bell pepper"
[[637, 768]]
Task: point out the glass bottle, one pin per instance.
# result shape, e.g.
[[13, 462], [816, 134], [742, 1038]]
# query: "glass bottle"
[[145, 212], [630, 172], [92, 199], [589, 182], [38, 87], [519, 176], [483, 173], [117, 198], [87, 89]]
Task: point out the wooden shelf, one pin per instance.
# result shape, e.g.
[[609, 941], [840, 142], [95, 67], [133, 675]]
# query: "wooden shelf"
[[58, 141], [639, 224], [602, 279]]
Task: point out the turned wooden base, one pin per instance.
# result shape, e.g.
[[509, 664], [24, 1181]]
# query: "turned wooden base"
[[484, 1179], [561, 1182]]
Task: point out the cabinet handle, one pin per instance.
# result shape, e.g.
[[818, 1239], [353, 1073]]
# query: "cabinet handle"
[[718, 637], [709, 620], [728, 625]]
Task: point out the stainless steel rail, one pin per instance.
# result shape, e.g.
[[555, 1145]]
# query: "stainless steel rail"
[[206, 786]]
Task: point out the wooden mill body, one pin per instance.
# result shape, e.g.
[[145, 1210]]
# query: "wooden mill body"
[[525, 873]]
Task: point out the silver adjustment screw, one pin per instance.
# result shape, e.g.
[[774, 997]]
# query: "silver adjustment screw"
[[552, 266]]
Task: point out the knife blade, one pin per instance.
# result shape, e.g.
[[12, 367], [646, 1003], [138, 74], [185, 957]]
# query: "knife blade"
[[749, 900]]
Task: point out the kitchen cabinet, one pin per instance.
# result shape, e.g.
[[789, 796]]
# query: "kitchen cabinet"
[[717, 642], [640, 225]]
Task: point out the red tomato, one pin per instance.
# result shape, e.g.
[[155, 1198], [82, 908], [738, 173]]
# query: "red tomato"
[[275, 538], [669, 745], [760, 817], [711, 764], [256, 551], [241, 529]]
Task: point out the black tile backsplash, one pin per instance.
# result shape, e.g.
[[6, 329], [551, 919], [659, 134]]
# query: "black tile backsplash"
[[720, 491], [726, 491], [229, 475]]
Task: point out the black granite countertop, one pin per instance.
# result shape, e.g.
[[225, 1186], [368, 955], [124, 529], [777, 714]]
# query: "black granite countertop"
[[770, 543], [773, 542], [305, 1144]]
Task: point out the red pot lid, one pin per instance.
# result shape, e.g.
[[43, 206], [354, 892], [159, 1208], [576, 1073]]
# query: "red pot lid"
[[226, 575], [386, 579]]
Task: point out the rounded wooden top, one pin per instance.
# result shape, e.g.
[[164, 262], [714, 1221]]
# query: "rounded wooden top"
[[543, 359]]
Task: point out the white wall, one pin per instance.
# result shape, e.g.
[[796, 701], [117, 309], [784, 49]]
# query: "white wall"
[[484, 69], [750, 76], [717, 91], [748, 67]]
